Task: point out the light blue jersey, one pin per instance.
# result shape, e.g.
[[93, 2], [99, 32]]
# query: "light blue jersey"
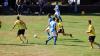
[[52, 26], [50, 19], [57, 11], [53, 33]]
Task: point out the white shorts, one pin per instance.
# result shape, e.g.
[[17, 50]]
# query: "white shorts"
[[53, 34]]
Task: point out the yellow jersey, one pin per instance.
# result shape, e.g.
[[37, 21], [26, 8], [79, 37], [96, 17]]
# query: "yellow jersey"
[[91, 30], [20, 24], [59, 25]]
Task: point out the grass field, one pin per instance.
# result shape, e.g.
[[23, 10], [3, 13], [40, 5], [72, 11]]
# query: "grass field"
[[66, 46]]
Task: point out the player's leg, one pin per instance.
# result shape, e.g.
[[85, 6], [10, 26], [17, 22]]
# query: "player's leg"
[[68, 34], [25, 38], [91, 44], [60, 18], [54, 34], [55, 39], [21, 39], [63, 32], [90, 40], [48, 40], [18, 35], [23, 32], [48, 32], [98, 44], [18, 9], [51, 36]]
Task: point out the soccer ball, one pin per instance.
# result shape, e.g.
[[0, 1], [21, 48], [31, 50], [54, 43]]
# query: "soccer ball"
[[35, 36]]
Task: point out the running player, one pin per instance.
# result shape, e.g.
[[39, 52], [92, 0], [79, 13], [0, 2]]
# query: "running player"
[[91, 33], [57, 12], [21, 29], [53, 32], [60, 28], [47, 27]]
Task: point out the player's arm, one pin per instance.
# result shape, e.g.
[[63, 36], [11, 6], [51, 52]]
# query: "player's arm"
[[89, 30], [14, 26], [46, 27]]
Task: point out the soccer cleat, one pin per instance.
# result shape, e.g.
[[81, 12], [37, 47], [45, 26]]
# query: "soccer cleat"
[[71, 35], [46, 42], [64, 34]]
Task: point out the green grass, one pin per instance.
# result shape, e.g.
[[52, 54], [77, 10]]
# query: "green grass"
[[66, 46]]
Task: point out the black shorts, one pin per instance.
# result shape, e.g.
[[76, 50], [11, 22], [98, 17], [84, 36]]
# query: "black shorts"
[[60, 31], [21, 31], [91, 38]]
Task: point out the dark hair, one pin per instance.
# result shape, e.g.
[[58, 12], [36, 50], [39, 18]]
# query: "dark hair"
[[57, 20], [89, 21], [56, 2], [49, 15], [18, 17], [53, 18]]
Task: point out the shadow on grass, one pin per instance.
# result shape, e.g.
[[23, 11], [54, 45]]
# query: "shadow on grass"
[[72, 40], [98, 44], [76, 45], [74, 22], [16, 44], [43, 43], [31, 44], [59, 44], [37, 43]]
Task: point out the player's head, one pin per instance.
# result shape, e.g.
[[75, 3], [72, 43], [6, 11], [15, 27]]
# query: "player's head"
[[89, 21], [18, 17], [57, 20], [49, 15], [56, 2], [53, 18]]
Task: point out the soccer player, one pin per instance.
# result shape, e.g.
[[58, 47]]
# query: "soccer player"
[[57, 12], [0, 24], [19, 6], [22, 27], [53, 32], [47, 27], [60, 28], [91, 33]]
